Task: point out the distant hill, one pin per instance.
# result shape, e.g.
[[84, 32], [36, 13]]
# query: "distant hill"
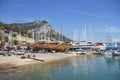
[[40, 29]]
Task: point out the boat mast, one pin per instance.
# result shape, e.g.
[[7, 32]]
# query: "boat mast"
[[38, 36], [91, 35], [109, 38], [33, 36], [10, 38], [3, 35], [19, 37], [74, 35], [81, 35], [85, 32], [61, 33], [43, 32], [49, 34]]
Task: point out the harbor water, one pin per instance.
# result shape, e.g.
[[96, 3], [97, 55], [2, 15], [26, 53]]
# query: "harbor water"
[[74, 68]]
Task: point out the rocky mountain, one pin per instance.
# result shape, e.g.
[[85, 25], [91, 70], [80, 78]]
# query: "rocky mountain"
[[39, 30]]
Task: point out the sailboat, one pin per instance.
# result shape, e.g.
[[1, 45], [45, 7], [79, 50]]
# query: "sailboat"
[[84, 44]]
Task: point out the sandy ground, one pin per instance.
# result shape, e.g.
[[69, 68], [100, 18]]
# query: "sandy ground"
[[15, 60]]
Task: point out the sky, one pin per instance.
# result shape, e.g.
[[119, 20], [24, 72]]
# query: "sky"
[[67, 16]]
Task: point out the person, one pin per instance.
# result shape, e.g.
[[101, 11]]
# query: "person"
[[28, 48]]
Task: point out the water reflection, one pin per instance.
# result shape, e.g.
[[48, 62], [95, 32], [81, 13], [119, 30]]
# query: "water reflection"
[[113, 62], [75, 68], [85, 66], [37, 71]]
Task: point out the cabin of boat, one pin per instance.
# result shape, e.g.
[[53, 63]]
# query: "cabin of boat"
[[84, 45]]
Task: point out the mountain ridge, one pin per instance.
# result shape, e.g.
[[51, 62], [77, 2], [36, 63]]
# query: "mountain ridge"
[[40, 28]]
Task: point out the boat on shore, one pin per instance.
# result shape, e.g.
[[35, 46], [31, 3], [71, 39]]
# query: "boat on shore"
[[52, 47]]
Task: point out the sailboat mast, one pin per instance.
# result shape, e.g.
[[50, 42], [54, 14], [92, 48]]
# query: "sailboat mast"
[[92, 35], [19, 37], [109, 37], [41, 36], [33, 36], [85, 32], [44, 32], [82, 35], [3, 34], [11, 33], [49, 34], [61, 33]]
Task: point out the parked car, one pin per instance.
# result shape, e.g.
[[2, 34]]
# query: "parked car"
[[20, 52], [12, 51], [4, 53]]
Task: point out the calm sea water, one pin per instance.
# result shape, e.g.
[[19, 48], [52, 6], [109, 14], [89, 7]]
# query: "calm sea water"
[[75, 68]]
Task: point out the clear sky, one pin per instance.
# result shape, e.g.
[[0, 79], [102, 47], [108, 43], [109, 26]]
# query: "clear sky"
[[101, 15]]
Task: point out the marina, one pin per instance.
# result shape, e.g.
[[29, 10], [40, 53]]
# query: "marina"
[[59, 40]]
